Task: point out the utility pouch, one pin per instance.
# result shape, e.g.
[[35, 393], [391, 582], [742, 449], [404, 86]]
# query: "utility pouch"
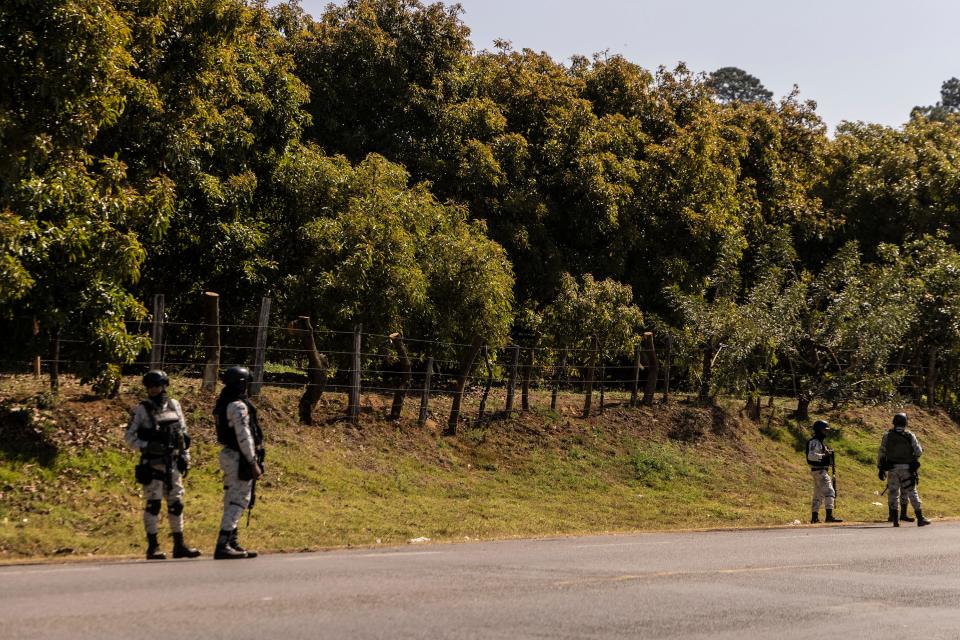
[[144, 473]]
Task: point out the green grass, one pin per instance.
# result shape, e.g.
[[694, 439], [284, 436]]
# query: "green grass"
[[67, 488]]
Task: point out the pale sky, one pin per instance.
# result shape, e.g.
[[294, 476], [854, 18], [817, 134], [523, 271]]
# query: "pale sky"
[[869, 60]]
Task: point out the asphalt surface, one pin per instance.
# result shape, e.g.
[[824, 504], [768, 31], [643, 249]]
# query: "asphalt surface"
[[845, 582]]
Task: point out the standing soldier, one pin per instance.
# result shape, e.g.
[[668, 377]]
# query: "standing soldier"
[[898, 461], [239, 433], [158, 431], [819, 458]]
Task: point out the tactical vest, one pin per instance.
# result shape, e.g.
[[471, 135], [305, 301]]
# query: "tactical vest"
[[814, 464], [164, 429], [226, 434], [899, 448]]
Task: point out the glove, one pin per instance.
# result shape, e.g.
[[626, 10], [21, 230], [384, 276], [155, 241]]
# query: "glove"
[[914, 466], [881, 474], [183, 466]]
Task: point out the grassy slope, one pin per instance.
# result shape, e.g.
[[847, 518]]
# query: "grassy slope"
[[67, 488]]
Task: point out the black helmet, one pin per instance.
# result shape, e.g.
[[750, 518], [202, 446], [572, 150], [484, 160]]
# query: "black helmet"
[[900, 420], [820, 425], [236, 378], [155, 378]]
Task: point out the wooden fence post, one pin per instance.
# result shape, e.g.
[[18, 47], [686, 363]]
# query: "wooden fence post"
[[260, 351], [36, 345], [156, 336], [406, 377], [557, 377], [211, 314], [525, 386], [666, 373], [512, 380], [353, 406], [486, 388], [425, 396], [588, 383], [55, 362], [653, 368]]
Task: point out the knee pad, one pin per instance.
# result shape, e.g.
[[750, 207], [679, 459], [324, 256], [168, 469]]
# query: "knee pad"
[[175, 509], [153, 507]]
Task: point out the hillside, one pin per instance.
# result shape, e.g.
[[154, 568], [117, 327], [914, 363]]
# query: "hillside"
[[67, 487]]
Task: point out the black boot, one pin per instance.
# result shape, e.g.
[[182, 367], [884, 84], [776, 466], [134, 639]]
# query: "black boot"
[[180, 550], [235, 543], [830, 517], [815, 518], [921, 521], [153, 548], [894, 517], [224, 550], [903, 514]]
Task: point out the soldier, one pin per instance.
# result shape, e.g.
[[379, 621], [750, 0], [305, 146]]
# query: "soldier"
[[158, 431], [819, 458], [898, 462], [239, 433]]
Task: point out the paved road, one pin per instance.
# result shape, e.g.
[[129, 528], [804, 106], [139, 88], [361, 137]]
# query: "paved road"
[[842, 582]]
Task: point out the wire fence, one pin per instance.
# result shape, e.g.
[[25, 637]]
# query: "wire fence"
[[469, 380]]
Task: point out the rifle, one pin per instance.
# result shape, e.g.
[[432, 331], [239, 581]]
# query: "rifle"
[[833, 471], [261, 455]]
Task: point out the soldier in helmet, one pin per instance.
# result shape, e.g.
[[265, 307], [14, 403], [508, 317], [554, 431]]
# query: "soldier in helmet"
[[898, 461], [819, 457], [158, 431], [239, 432]]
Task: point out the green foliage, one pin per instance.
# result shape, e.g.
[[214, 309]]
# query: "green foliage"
[[732, 84], [594, 309]]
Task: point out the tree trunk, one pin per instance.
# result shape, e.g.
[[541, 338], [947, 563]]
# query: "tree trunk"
[[558, 376], [706, 379], [666, 373], [588, 382], [406, 376], [803, 408], [466, 362], [486, 388], [317, 371]]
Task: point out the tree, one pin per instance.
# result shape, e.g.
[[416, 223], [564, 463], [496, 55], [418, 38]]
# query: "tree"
[[947, 106], [71, 239], [732, 84]]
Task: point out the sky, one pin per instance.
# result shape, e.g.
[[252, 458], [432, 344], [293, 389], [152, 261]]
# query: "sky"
[[870, 60]]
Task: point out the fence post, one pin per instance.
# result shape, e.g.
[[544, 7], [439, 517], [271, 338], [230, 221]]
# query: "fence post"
[[259, 355], [557, 376], [156, 336], [588, 386], [653, 368], [468, 355], [666, 373], [525, 387], [512, 380], [486, 388], [425, 397], [602, 380], [353, 407], [211, 315], [635, 389], [36, 345], [55, 362]]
